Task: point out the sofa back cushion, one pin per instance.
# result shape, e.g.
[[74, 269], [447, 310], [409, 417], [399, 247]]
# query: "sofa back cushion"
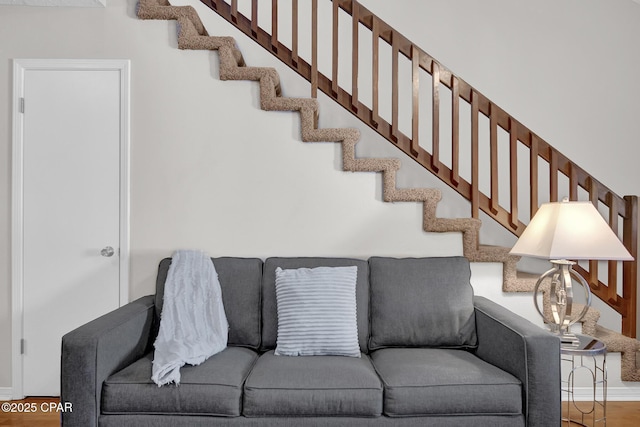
[[421, 302], [240, 280], [269, 302]]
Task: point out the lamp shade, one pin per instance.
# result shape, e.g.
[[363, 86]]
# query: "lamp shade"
[[570, 230]]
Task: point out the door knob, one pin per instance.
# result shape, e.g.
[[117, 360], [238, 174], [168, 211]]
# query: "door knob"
[[107, 251]]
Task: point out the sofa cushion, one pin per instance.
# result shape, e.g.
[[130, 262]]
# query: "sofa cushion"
[[317, 312], [269, 304], [428, 381], [421, 302], [313, 386], [211, 388], [240, 280]]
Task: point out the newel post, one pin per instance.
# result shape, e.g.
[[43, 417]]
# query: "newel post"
[[631, 295]]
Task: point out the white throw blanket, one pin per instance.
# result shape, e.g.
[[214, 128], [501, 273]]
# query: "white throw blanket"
[[193, 324]]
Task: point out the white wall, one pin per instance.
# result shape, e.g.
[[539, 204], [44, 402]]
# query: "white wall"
[[212, 171]]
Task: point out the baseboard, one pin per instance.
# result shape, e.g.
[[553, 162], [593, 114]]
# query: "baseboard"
[[6, 393], [613, 394]]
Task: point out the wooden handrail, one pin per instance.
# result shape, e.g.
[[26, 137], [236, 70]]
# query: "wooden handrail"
[[622, 211]]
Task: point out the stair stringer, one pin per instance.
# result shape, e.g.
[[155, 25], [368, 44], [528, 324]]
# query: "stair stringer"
[[192, 35]]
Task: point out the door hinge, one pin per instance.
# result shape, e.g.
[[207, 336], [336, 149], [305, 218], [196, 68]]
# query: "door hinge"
[[21, 105], [22, 346]]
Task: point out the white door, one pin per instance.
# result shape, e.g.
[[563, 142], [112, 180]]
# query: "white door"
[[71, 139]]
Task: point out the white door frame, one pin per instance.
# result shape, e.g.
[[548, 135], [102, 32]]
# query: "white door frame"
[[17, 235]]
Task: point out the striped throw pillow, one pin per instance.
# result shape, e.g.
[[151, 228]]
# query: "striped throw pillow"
[[317, 312]]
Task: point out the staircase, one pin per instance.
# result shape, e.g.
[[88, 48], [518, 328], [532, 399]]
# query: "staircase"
[[193, 35]]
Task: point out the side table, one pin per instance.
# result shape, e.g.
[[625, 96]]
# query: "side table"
[[581, 360]]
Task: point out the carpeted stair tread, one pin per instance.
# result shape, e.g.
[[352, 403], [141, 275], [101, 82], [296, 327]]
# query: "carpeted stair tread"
[[521, 281], [628, 347], [589, 320], [192, 35]]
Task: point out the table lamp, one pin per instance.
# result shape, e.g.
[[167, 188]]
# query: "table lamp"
[[563, 231]]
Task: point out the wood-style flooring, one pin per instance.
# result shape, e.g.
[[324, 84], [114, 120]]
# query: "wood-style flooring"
[[619, 414]]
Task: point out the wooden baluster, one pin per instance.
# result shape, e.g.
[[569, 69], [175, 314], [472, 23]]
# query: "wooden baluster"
[[394, 86], [294, 33], [573, 182], [513, 170], [553, 176], [455, 131], [493, 153], [435, 112], [630, 268], [375, 118], [415, 119], [533, 175], [254, 18], [314, 48], [475, 174], [234, 11], [274, 25], [355, 23], [334, 56], [594, 281], [594, 192], [612, 282]]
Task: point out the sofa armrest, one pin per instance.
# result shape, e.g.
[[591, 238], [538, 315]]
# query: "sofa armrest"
[[526, 351], [94, 351]]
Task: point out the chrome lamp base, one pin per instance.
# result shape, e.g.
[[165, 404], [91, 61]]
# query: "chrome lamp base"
[[569, 340], [561, 300]]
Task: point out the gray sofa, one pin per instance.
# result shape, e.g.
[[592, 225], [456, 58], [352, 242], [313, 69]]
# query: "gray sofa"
[[432, 355]]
